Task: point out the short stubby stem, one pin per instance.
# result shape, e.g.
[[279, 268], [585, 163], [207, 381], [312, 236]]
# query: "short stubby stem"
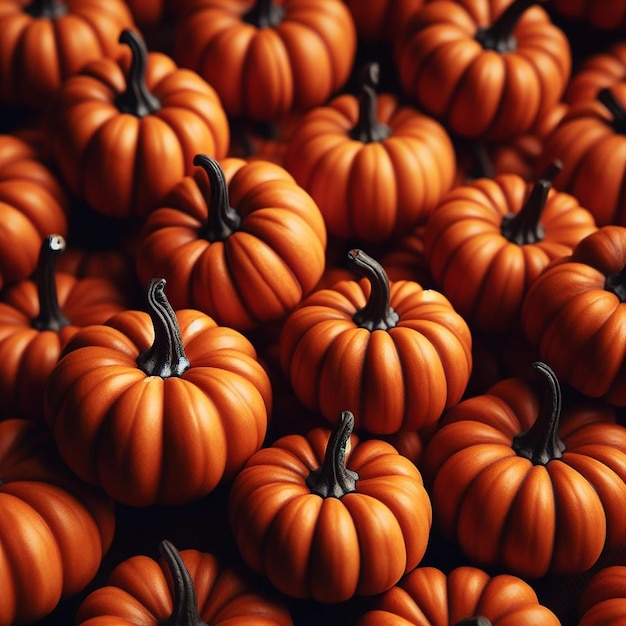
[[265, 14], [369, 128], [615, 108], [46, 9]]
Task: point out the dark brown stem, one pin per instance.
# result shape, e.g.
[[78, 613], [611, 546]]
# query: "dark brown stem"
[[479, 620], [185, 603], [166, 356], [333, 479], [48, 9], [223, 220], [377, 314], [541, 442], [368, 127], [616, 283], [500, 35], [50, 315], [265, 14], [524, 227], [137, 100], [616, 109]]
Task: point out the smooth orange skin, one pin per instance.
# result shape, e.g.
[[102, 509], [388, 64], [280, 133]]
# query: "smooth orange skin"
[[261, 271], [603, 598], [503, 510], [264, 73], [397, 379], [480, 93], [139, 592], [151, 440], [427, 597], [378, 189], [480, 271], [123, 165], [54, 529], [330, 549]]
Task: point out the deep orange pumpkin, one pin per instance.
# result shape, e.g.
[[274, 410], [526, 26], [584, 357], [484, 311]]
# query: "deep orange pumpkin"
[[608, 15], [603, 599], [379, 21]]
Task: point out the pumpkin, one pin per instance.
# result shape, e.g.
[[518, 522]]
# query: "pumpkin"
[[157, 407], [466, 595], [328, 517], [603, 597], [267, 58], [488, 240], [378, 21], [114, 125], [37, 318], [607, 16], [521, 487], [240, 241], [573, 314], [590, 142], [54, 530], [188, 587], [33, 204], [46, 41], [149, 14], [395, 354], [375, 166], [487, 69]]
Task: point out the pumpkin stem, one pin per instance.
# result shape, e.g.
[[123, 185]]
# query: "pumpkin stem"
[[223, 220], [185, 603], [137, 99], [541, 442], [524, 227], [49, 9], [499, 36], [478, 620], [50, 315], [377, 314], [166, 356], [368, 127], [333, 479], [616, 109], [616, 283], [265, 14]]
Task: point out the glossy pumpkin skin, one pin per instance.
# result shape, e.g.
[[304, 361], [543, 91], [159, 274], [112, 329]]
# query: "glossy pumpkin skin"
[[45, 42], [154, 422], [266, 59], [33, 204], [483, 81], [604, 597], [577, 298], [238, 240], [427, 596], [488, 240], [374, 173], [111, 141], [396, 359], [191, 584], [533, 501], [312, 544], [54, 529], [378, 21]]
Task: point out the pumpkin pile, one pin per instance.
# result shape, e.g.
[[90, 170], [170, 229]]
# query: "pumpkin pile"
[[312, 311]]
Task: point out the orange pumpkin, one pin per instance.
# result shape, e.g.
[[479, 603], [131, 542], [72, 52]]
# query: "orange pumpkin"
[[603, 598], [375, 166], [488, 69], [328, 517], [189, 587], [609, 15], [157, 407], [267, 58], [45, 42], [521, 489], [488, 240], [394, 354], [378, 21], [123, 134]]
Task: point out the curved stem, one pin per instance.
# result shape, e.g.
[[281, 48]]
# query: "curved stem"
[[368, 127], [499, 36], [333, 479], [166, 356], [265, 14], [541, 442], [50, 315], [185, 603], [524, 227], [137, 100], [377, 314], [223, 220], [49, 9], [616, 109]]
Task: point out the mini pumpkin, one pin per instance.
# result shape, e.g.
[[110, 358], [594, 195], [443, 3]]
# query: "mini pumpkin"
[[328, 517], [157, 407]]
